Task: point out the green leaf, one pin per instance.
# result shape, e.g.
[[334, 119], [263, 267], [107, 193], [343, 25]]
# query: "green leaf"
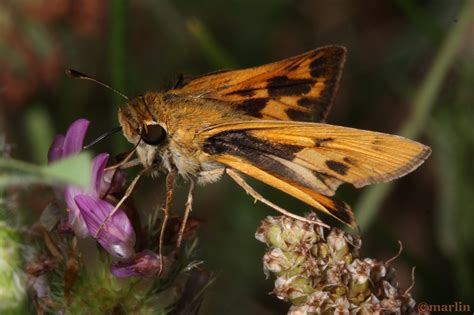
[[74, 170]]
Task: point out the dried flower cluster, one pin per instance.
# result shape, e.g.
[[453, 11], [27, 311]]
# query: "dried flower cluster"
[[320, 271]]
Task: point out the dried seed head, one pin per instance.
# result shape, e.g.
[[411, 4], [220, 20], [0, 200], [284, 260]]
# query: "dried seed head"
[[286, 233], [321, 273], [278, 261]]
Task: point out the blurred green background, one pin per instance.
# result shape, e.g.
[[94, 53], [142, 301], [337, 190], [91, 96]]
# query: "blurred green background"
[[410, 71]]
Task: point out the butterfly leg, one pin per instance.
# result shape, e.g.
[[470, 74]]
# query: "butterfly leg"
[[250, 191], [125, 163], [204, 177], [127, 194], [170, 180], [187, 210]]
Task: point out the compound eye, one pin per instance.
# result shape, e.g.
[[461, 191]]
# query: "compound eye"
[[153, 134]]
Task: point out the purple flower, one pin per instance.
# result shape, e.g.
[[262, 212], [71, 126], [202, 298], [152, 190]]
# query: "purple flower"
[[69, 144], [87, 209], [112, 182], [96, 187], [145, 263], [117, 236]]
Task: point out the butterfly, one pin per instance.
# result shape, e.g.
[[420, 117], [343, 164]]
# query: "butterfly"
[[266, 122]]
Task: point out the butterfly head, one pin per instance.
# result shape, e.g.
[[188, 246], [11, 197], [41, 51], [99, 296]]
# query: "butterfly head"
[[141, 126]]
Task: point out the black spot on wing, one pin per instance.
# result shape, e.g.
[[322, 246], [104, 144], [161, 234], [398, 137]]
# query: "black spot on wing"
[[377, 145], [326, 67], [284, 86], [318, 114], [342, 211], [236, 142], [319, 68], [253, 106], [298, 115], [261, 154], [350, 161], [337, 167], [243, 93], [308, 101], [319, 105], [328, 63], [320, 141]]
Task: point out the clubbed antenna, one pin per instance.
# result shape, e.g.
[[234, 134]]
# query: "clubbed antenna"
[[79, 75]]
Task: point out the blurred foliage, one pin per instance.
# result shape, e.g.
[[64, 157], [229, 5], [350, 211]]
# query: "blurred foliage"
[[12, 278], [453, 143], [142, 45], [423, 101], [74, 170]]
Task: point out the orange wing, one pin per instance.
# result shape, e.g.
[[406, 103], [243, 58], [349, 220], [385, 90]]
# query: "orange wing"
[[310, 160], [300, 88]]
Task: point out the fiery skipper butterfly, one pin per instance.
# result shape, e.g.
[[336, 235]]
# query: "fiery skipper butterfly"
[[266, 122]]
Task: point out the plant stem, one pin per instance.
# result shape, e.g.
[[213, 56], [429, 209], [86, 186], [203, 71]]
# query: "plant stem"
[[215, 54], [423, 102]]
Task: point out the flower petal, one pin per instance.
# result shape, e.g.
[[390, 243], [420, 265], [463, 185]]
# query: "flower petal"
[[145, 263], [56, 149], [74, 139], [98, 166], [117, 236], [113, 181], [75, 218]]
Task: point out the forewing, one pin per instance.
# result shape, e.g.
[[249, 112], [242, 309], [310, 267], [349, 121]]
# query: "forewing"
[[299, 88]]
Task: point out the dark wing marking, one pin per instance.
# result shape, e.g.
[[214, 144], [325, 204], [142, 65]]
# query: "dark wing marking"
[[271, 163], [309, 160], [299, 88]]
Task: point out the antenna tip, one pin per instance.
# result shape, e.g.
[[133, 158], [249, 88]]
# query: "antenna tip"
[[74, 73]]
